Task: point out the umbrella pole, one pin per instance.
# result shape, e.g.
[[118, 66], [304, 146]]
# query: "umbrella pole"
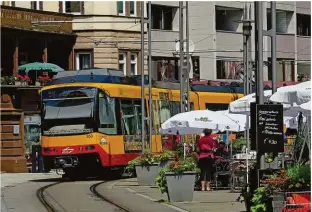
[[247, 151]]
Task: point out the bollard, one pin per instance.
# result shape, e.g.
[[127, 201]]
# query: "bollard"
[[36, 158]]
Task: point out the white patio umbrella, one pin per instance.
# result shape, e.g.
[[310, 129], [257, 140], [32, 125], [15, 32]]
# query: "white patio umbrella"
[[242, 105], [299, 94], [240, 119], [194, 122], [306, 106]]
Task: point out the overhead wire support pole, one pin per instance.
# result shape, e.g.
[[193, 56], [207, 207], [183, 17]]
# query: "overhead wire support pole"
[[150, 72], [187, 84], [245, 57], [250, 65], [142, 79], [181, 54], [259, 21], [273, 46]]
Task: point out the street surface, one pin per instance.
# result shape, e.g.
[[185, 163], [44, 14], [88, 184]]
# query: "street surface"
[[19, 195]]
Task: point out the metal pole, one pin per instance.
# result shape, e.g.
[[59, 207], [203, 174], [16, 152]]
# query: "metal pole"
[[273, 46], [181, 53], [250, 58], [187, 84], [259, 21], [245, 54], [245, 60], [150, 72], [142, 79], [259, 72]]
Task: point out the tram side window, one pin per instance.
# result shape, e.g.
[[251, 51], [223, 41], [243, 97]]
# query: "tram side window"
[[131, 117], [107, 115], [216, 107], [164, 110], [156, 116], [174, 108]]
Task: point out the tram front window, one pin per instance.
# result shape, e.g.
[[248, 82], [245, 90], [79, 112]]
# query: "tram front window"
[[71, 114]]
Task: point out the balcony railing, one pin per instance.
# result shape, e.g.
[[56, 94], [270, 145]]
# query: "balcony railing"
[[22, 18]]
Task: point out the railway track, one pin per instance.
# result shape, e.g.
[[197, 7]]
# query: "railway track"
[[97, 194], [50, 208], [40, 195]]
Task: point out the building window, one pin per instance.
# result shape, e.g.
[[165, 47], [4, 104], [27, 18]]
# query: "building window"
[[35, 5], [73, 7], [284, 23], [83, 60], [303, 70], [303, 25], [162, 17], [229, 69], [285, 70], [8, 3], [226, 18], [121, 5], [165, 69], [132, 8], [134, 66], [122, 63]]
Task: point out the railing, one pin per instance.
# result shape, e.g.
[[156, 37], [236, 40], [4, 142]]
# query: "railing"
[[22, 18]]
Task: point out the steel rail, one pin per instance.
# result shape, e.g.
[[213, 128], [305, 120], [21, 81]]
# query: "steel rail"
[[96, 193], [43, 200]]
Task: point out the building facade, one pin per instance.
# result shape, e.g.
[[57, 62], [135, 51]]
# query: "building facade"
[[214, 31], [102, 44], [218, 39], [21, 43]]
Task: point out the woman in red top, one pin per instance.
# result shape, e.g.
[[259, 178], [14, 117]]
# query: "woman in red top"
[[205, 148]]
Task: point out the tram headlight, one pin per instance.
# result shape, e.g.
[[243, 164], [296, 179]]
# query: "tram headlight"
[[90, 147]]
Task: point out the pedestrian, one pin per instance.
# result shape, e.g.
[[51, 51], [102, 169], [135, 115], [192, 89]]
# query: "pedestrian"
[[205, 147]]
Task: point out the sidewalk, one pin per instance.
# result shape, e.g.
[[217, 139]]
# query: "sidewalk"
[[221, 200], [16, 198], [12, 179]]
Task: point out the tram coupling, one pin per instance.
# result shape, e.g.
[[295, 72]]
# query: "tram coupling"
[[66, 162]]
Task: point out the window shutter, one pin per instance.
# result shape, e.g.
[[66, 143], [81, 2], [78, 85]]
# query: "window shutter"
[[127, 8], [138, 8], [281, 20], [61, 6], [40, 5], [13, 3], [82, 8]]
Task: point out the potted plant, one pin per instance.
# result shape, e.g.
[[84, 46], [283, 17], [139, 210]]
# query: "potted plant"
[[26, 80], [44, 80], [273, 193], [146, 168], [178, 180], [165, 158], [19, 80]]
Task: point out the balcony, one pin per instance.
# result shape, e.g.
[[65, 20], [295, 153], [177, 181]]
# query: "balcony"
[[20, 18]]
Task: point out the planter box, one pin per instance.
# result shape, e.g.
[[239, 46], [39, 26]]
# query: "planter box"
[[146, 175], [165, 164], [180, 186]]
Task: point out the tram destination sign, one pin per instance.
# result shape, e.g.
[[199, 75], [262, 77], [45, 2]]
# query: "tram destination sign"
[[270, 128]]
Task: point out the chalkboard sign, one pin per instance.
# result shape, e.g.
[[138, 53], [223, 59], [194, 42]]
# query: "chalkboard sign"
[[253, 126], [270, 128]]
